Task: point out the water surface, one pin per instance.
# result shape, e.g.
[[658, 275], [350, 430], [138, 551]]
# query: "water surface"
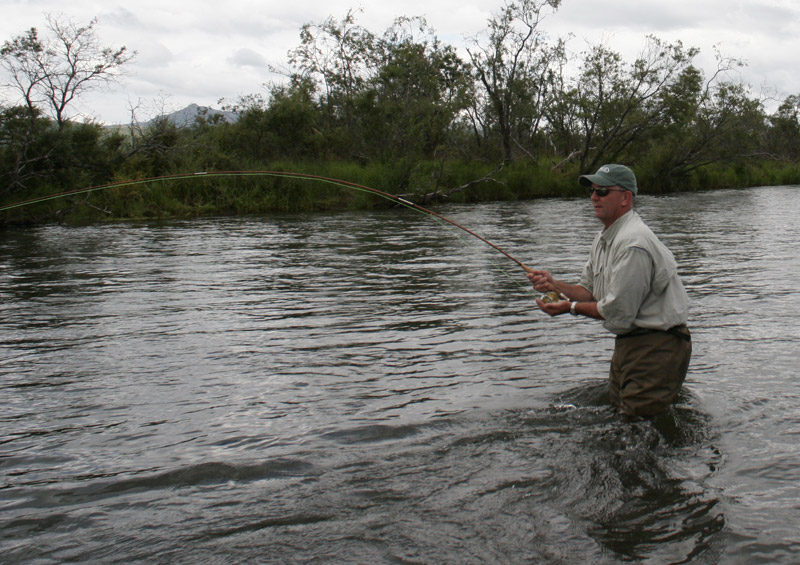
[[375, 387]]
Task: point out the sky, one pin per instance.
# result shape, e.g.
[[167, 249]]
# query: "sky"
[[199, 51]]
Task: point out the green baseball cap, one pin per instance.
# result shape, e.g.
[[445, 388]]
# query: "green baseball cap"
[[612, 175]]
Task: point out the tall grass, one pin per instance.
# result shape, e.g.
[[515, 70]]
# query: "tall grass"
[[453, 181]]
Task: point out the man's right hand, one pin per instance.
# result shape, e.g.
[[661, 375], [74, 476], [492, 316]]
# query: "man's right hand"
[[542, 281]]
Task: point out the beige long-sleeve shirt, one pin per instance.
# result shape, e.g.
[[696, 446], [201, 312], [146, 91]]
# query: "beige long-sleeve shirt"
[[634, 278]]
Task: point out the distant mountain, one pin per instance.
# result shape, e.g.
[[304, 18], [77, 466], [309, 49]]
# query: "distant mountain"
[[188, 116]]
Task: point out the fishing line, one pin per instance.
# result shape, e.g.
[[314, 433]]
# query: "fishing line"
[[495, 264], [443, 221], [302, 176]]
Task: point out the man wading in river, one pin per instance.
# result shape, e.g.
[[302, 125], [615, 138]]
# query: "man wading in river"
[[631, 283]]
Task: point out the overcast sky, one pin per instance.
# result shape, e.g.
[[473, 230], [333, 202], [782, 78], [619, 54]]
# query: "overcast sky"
[[201, 51]]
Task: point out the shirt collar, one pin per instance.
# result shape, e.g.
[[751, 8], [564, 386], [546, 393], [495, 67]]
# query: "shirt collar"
[[608, 233]]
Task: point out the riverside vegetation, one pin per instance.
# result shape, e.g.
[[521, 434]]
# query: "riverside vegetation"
[[517, 116]]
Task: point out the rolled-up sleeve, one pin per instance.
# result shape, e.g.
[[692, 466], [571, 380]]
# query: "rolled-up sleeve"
[[629, 284]]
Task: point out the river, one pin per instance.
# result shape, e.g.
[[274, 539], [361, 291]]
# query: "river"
[[374, 387]]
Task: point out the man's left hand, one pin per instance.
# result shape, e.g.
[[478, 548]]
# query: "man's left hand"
[[554, 308]]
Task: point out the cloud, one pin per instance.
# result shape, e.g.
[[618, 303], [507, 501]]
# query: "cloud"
[[122, 18], [246, 57], [202, 51], [153, 55]]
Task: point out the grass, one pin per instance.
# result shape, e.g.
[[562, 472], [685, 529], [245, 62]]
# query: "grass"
[[201, 195]]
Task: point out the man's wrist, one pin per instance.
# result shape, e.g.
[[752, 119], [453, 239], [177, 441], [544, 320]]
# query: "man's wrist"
[[572, 309]]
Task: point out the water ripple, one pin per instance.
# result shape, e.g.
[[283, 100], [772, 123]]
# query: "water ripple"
[[368, 387]]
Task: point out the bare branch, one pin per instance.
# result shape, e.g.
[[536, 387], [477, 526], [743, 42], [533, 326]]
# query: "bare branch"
[[53, 72]]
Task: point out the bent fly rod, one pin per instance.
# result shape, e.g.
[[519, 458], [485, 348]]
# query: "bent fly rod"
[[302, 176]]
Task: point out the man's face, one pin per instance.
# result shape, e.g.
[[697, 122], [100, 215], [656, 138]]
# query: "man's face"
[[610, 206]]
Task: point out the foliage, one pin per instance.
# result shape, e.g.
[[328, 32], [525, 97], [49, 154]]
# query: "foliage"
[[36, 154], [399, 110], [783, 141]]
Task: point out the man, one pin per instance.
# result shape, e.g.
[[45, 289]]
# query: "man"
[[631, 283]]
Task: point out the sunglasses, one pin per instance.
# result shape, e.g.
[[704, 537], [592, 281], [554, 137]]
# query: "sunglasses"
[[604, 190]]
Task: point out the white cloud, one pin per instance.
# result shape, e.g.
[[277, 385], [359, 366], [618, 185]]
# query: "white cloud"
[[246, 57], [202, 51]]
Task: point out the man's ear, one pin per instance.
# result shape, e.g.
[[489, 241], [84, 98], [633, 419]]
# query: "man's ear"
[[627, 197]]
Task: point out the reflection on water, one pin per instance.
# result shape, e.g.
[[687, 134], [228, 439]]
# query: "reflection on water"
[[373, 387]]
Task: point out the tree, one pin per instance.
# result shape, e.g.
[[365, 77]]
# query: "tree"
[[784, 135], [155, 149], [385, 97], [417, 91], [513, 69], [338, 54], [50, 73], [284, 128], [25, 148], [704, 121], [618, 108], [37, 155]]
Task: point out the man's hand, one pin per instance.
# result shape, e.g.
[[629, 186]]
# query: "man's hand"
[[554, 308], [541, 280]]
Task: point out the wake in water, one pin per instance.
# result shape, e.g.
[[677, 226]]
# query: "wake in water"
[[569, 481], [636, 487]]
